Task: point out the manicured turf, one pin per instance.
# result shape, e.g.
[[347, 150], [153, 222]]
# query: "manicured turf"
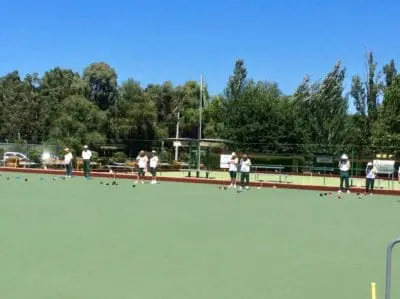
[[329, 181], [81, 239]]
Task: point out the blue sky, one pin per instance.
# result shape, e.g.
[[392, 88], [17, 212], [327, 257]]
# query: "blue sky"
[[155, 41]]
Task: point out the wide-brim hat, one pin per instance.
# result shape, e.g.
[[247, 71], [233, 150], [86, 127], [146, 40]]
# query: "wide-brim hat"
[[66, 149], [233, 154], [369, 164], [344, 157]]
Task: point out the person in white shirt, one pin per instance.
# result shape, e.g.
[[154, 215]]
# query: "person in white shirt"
[[68, 163], [153, 167], [233, 168], [344, 167], [370, 173], [245, 165], [86, 156], [142, 164]]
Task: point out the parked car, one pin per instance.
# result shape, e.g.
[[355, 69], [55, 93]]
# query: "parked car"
[[20, 156], [23, 159]]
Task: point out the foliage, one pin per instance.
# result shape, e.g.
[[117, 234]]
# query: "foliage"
[[359, 95], [237, 81], [386, 129], [133, 115], [102, 84], [78, 121], [65, 108], [390, 72], [35, 156], [322, 108], [118, 157]]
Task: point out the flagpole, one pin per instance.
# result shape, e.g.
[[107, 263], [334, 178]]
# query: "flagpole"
[[200, 128]]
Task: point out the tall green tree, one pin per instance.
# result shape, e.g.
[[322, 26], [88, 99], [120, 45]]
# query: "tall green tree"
[[133, 116], [358, 123], [10, 93], [78, 121], [390, 72], [237, 81], [102, 82], [359, 96], [323, 108], [254, 121], [187, 100], [373, 88], [20, 108], [163, 96], [214, 117], [386, 129], [57, 85]]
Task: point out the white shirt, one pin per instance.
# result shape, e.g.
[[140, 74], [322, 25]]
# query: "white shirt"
[[68, 158], [142, 161], [233, 164], [154, 162], [245, 165], [371, 173], [86, 155], [344, 166]]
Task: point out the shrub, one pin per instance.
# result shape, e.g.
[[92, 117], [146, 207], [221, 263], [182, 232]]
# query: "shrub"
[[118, 157], [35, 156]]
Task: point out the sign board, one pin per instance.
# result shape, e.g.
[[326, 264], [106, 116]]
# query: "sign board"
[[224, 161], [112, 147], [211, 144], [177, 144], [384, 166], [324, 159]]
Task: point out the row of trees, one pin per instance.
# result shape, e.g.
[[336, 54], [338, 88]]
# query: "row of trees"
[[67, 108]]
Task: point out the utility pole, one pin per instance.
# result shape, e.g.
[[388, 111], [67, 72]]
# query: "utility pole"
[[176, 137], [200, 128]]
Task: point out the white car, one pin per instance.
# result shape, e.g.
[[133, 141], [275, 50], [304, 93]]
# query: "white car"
[[23, 159], [20, 156]]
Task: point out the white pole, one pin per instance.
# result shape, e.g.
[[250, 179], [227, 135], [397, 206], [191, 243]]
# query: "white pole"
[[200, 121], [176, 137]]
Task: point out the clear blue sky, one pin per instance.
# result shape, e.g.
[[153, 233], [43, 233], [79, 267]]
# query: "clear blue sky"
[[154, 41]]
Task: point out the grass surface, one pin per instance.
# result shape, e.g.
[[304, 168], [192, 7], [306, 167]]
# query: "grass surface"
[[81, 240], [294, 179]]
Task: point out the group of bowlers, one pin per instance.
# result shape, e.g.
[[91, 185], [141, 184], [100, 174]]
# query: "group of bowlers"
[[142, 160], [86, 157], [244, 165], [344, 168]]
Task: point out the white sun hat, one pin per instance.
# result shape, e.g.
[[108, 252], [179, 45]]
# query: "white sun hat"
[[369, 164], [233, 154], [344, 157]]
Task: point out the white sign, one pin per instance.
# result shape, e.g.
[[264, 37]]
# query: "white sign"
[[177, 144], [325, 159], [384, 166], [224, 161]]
